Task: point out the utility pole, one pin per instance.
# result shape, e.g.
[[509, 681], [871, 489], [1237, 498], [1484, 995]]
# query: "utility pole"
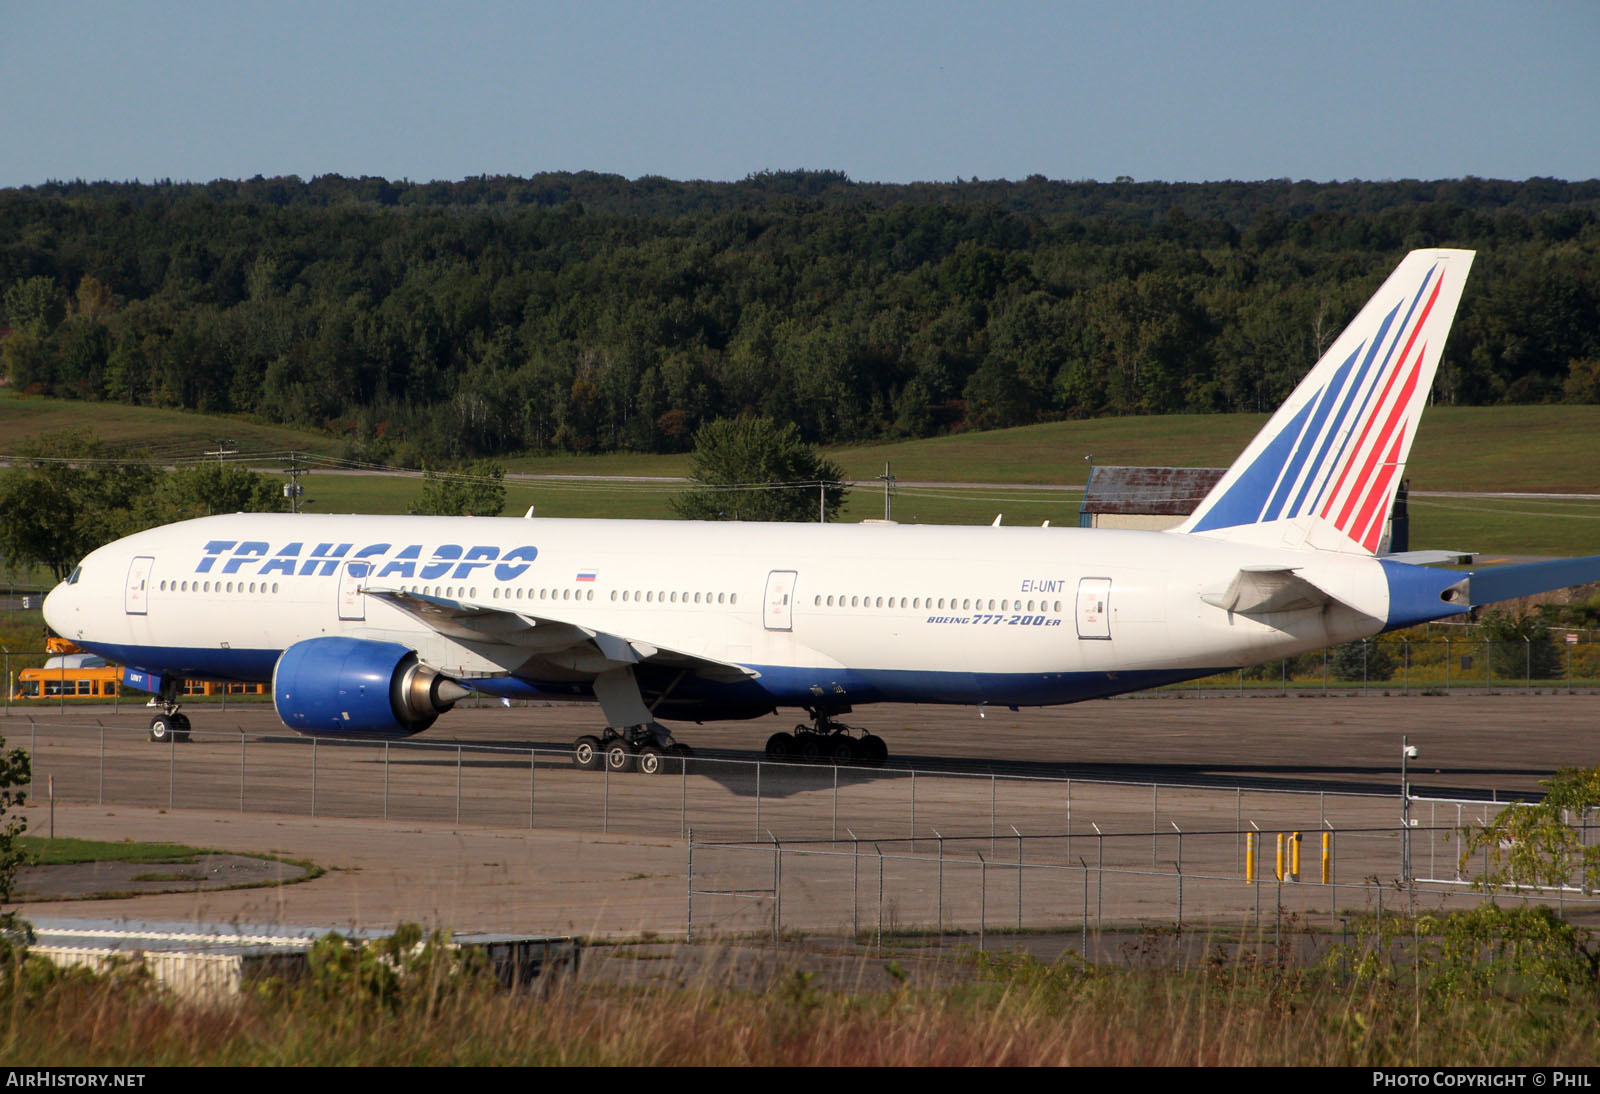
[[292, 489], [224, 449], [888, 484]]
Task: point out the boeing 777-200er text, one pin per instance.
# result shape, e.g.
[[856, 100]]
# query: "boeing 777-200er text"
[[373, 626]]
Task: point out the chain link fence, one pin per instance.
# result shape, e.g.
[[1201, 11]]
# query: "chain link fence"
[[974, 887], [774, 847], [719, 798], [1442, 659]]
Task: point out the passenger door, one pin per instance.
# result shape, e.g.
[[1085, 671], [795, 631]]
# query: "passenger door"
[[778, 613], [136, 600], [352, 604], [1094, 607]]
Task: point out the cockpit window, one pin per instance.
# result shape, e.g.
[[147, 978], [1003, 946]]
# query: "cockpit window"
[[72, 578]]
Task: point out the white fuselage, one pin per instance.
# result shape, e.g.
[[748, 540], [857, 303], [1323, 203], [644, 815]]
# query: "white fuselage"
[[858, 612]]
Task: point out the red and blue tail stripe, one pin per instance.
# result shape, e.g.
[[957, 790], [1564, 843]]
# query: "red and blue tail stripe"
[[1331, 457]]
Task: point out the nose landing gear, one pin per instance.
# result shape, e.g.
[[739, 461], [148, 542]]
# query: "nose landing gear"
[[170, 724]]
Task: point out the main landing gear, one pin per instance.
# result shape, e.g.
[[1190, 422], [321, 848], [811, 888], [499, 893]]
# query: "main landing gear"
[[648, 749], [827, 741], [169, 724], [634, 740]]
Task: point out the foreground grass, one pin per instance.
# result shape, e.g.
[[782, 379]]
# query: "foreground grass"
[[1129, 1018], [1007, 1010]]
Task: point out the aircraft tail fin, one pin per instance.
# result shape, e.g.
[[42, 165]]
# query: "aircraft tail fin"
[[1323, 472]]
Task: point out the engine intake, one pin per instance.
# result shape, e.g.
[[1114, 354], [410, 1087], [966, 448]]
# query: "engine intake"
[[353, 687]]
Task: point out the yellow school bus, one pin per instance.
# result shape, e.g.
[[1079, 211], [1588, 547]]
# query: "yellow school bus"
[[73, 673], [68, 671]]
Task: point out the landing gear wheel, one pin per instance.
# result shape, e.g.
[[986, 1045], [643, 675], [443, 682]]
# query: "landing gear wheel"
[[844, 750], [586, 753], [811, 748], [873, 750], [619, 757], [650, 760], [169, 725], [781, 746]]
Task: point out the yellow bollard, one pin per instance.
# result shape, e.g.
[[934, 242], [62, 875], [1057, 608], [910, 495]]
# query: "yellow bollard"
[[1327, 858], [1280, 856], [1294, 856], [1250, 858]]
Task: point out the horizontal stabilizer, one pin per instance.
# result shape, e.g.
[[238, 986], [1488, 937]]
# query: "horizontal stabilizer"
[[1432, 558], [1257, 590], [1509, 582]]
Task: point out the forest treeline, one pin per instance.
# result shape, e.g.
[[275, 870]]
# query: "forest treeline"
[[586, 312]]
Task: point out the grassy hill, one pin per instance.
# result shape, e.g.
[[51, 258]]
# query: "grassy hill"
[[1514, 448], [1527, 449], [1511, 448], [165, 434]]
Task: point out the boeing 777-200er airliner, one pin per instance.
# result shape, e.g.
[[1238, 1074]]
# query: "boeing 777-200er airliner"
[[373, 626]]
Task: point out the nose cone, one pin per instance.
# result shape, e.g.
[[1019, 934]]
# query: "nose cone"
[[58, 611]]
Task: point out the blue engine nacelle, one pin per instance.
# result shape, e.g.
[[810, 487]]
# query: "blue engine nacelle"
[[358, 688]]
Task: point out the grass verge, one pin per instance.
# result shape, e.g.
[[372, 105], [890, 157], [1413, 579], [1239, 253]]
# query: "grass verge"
[[63, 851], [1389, 1000]]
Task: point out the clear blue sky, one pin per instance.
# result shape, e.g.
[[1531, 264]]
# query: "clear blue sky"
[[884, 91]]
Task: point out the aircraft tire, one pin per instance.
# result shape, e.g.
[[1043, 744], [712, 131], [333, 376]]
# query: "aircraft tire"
[[811, 748], [619, 757], [586, 753], [781, 746], [873, 751], [651, 760], [844, 750], [162, 727], [180, 727]]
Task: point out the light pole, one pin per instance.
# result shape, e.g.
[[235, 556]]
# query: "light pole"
[[1408, 752]]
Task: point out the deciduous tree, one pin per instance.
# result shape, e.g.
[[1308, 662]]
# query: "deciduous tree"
[[753, 469], [470, 490]]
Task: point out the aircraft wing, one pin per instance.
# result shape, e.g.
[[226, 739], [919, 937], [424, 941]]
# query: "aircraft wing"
[[542, 636], [1257, 590]]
